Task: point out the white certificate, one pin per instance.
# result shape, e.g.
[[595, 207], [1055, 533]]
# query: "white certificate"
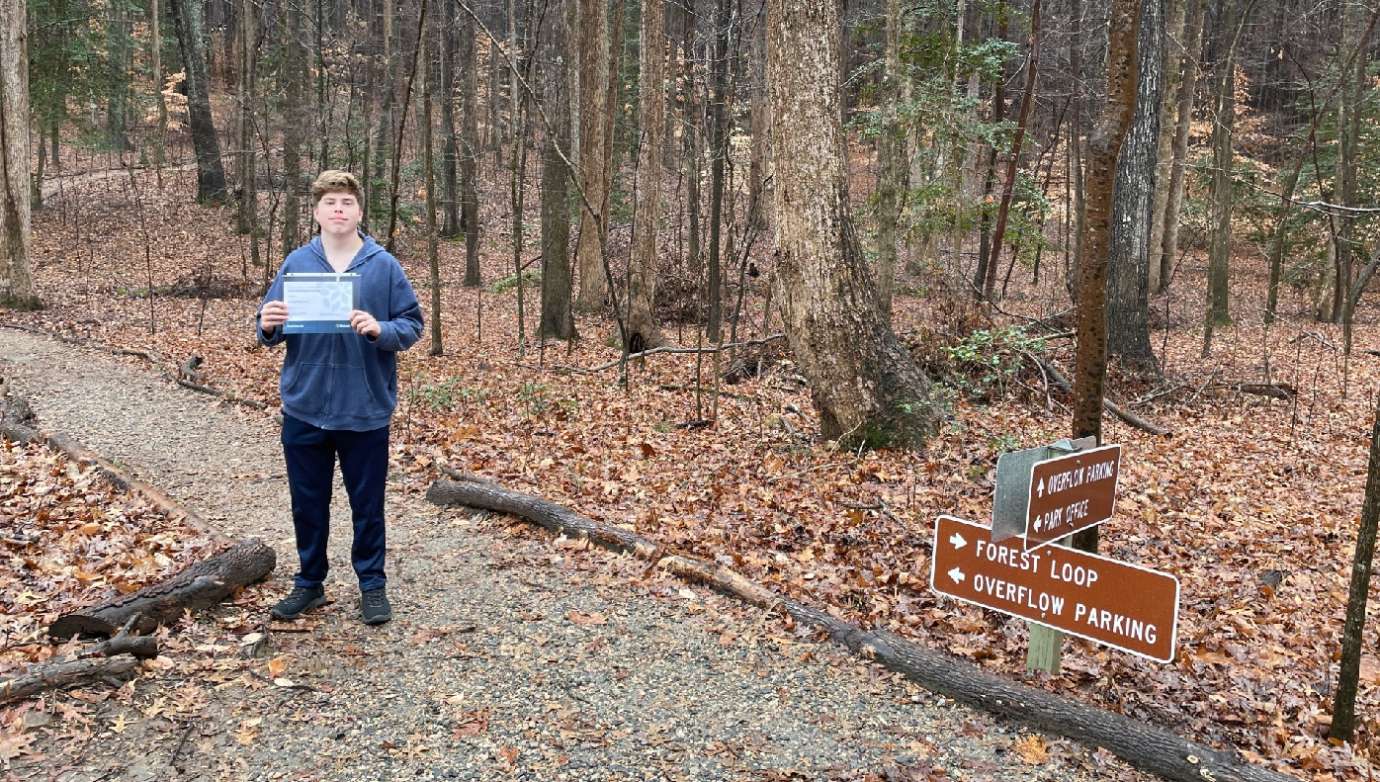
[[319, 302]]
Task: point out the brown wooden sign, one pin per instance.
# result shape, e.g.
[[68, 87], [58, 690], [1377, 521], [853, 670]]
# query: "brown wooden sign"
[[1104, 600], [1071, 493]]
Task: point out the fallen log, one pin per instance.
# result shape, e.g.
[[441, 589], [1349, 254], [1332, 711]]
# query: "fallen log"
[[1111, 407], [1147, 747], [47, 677], [199, 586], [1275, 390]]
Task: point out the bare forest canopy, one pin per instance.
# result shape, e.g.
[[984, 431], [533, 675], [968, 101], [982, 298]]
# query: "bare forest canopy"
[[776, 282]]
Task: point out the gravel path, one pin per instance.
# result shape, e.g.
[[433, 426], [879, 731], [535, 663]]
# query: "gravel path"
[[512, 656]]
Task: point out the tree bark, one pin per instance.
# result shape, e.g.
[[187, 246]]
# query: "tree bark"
[[1231, 17], [1013, 161], [247, 214], [295, 122], [761, 128], [1103, 147], [432, 256], [469, 154], [557, 319], [891, 151], [642, 331], [17, 287], [1188, 80], [718, 145], [864, 384], [56, 675], [210, 175], [594, 82], [450, 226], [1348, 674], [1170, 76], [1128, 311], [199, 586]]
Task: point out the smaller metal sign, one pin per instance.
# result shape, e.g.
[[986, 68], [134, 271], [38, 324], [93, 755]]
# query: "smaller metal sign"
[[1012, 497], [1071, 493], [1116, 603]]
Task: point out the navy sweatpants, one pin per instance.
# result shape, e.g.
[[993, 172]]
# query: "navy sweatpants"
[[310, 453]]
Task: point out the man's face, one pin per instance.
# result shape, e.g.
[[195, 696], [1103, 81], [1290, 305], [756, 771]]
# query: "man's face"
[[338, 214]]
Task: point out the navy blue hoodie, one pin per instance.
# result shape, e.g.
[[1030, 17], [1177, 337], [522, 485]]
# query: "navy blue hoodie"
[[346, 381]]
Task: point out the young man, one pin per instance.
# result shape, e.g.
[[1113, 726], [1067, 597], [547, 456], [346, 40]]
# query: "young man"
[[338, 393]]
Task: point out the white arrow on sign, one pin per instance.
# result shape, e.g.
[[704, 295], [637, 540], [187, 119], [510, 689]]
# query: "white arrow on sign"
[[956, 575], [957, 541], [1040, 490]]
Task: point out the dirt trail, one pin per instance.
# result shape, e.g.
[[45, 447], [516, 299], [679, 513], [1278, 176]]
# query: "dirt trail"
[[510, 657]]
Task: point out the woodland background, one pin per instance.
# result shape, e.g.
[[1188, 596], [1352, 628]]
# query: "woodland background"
[[662, 246]]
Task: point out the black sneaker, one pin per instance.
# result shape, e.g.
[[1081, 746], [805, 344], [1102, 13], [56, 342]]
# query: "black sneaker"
[[298, 601], [374, 608]]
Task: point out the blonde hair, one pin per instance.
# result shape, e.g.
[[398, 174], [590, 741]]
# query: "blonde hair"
[[335, 181]]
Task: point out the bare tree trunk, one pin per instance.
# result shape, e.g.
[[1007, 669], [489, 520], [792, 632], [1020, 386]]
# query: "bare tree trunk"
[[1344, 706], [469, 154], [718, 144], [1128, 310], [1012, 164], [594, 80], [210, 176], [1103, 147], [247, 214], [17, 288], [1171, 75], [761, 127], [557, 320], [119, 50], [1076, 149], [864, 384], [891, 150], [642, 330], [295, 122], [156, 56], [1188, 69], [450, 226], [432, 256], [1231, 18]]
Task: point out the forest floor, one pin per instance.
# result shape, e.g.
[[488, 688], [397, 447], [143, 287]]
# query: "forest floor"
[[1251, 501]]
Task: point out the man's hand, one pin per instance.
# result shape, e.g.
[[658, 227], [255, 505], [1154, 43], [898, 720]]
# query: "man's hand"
[[364, 324], [273, 315]]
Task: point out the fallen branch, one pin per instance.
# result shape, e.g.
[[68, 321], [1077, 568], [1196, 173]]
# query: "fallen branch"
[[1111, 407], [92, 662], [1275, 390], [55, 675], [1145, 746], [201, 585]]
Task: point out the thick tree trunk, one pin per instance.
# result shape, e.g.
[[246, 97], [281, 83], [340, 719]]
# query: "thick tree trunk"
[[295, 123], [469, 154], [891, 150], [865, 386], [210, 175], [17, 287], [557, 319], [1188, 80], [761, 128], [1128, 312], [1171, 76], [642, 331], [199, 586], [594, 81], [1103, 148]]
